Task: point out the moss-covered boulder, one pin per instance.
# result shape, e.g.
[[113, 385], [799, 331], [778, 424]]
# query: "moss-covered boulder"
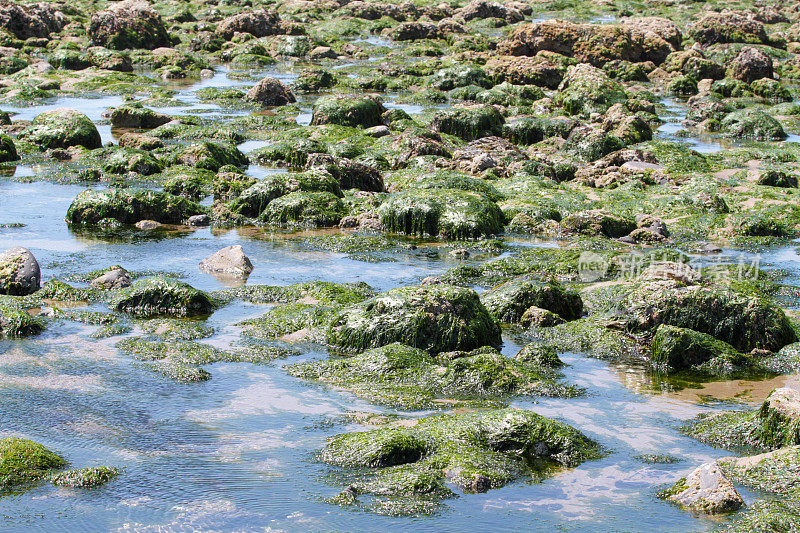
[[23, 461], [469, 122], [129, 206], [255, 199], [728, 27], [162, 296], [752, 124], [138, 117], [409, 378], [705, 490], [347, 110], [304, 210], [743, 322], [676, 349], [587, 89], [210, 156], [62, 128], [775, 424], [84, 477], [128, 24], [509, 301], [434, 318], [122, 159], [410, 462], [598, 222], [15, 320], [8, 150], [452, 213]]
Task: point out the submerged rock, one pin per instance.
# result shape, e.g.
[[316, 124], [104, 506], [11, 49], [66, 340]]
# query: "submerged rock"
[[129, 24], [434, 318], [115, 278], [22, 461], [84, 477], [15, 320], [705, 490], [231, 260], [62, 128], [19, 272], [162, 296]]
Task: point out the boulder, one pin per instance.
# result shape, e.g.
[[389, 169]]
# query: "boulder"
[[162, 296], [705, 490], [115, 278], [19, 272], [62, 128], [129, 206], [270, 92], [210, 156], [350, 174], [129, 24], [752, 124], [15, 320], [261, 23], [24, 21], [23, 461], [8, 150], [302, 209], [750, 64], [587, 89], [435, 318], [347, 110], [728, 27], [469, 122], [137, 117], [676, 349], [230, 261], [510, 301]]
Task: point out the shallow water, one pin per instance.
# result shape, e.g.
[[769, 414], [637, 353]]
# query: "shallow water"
[[237, 452]]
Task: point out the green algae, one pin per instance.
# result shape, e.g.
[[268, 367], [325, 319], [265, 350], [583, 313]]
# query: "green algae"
[[23, 461]]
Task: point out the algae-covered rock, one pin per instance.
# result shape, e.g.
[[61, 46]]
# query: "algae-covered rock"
[[210, 156], [15, 321], [775, 424], [752, 124], [162, 296], [435, 318], [128, 24], [469, 122], [598, 222], [676, 348], [8, 150], [728, 27], [452, 213], [475, 451], [31, 20], [705, 490], [19, 272], [22, 461], [406, 377], [304, 210], [347, 110], [136, 116], [509, 301], [270, 92], [587, 89], [122, 159], [741, 321], [254, 200], [62, 128], [129, 206], [84, 477]]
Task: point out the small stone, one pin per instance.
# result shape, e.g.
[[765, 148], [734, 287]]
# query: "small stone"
[[199, 220], [148, 225], [230, 261], [377, 131], [706, 490], [461, 253], [116, 278]]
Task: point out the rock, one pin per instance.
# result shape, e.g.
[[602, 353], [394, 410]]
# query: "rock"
[[148, 225], [587, 43], [162, 296], [541, 318], [373, 10], [231, 261], [452, 213], [587, 89], [84, 477], [302, 209], [436, 318], [210, 156], [23, 461], [598, 222], [521, 70], [509, 301], [15, 320], [413, 31], [378, 131], [349, 174], [116, 278], [322, 52], [539, 355], [31, 20], [138, 117], [484, 9], [19, 272], [253, 201], [705, 490], [129, 206], [270, 92], [776, 178], [662, 27], [752, 124], [129, 24], [469, 122], [261, 23], [198, 220], [62, 128], [750, 64], [8, 150], [347, 110], [676, 349], [728, 27]]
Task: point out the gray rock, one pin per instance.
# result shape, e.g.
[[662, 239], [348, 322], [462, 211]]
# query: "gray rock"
[[199, 220], [116, 278], [148, 225], [706, 490], [19, 272], [229, 261]]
